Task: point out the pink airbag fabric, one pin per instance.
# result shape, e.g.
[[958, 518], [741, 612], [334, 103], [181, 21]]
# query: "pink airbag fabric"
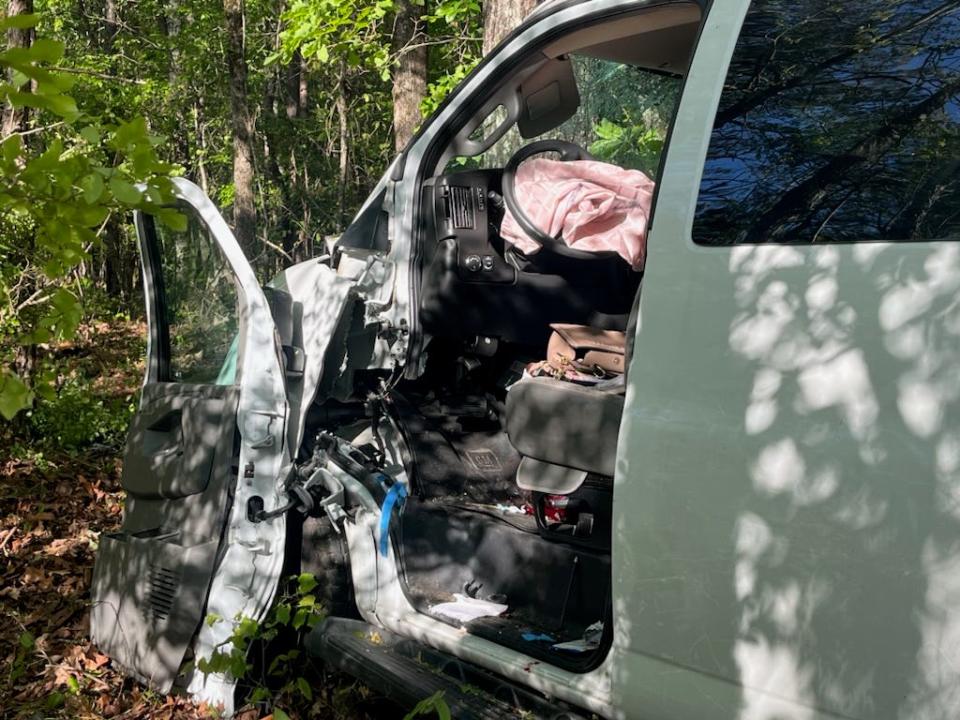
[[594, 205]]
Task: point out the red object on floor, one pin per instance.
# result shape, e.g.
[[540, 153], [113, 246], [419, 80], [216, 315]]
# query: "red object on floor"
[[555, 508]]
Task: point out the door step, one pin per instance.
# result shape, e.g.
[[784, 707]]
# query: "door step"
[[407, 672]]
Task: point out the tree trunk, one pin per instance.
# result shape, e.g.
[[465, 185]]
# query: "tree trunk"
[[15, 119], [502, 16], [294, 77], [112, 261], [199, 124], [109, 24], [410, 75], [344, 141], [173, 33], [302, 96], [244, 208]]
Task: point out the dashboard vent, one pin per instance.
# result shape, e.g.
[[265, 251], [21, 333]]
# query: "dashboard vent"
[[460, 208]]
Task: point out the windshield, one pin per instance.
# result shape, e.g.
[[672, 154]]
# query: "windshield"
[[622, 119]]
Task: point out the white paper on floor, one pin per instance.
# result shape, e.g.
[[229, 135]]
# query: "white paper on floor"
[[465, 609], [590, 640]]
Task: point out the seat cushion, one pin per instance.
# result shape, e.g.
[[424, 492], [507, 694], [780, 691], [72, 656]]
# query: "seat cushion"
[[565, 424]]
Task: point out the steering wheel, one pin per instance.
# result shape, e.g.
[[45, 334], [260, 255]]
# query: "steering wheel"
[[555, 245]]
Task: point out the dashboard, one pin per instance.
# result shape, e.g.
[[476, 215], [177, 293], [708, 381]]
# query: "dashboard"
[[474, 285]]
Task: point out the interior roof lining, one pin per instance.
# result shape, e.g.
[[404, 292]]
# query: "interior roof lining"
[[664, 51], [673, 21]]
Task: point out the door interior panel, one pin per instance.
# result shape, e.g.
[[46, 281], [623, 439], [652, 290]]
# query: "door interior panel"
[[149, 591], [152, 577], [173, 440]]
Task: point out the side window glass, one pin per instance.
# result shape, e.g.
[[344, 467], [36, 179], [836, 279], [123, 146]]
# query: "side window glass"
[[200, 316], [837, 123]]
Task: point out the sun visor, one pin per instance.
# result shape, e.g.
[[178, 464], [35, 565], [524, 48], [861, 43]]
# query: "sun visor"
[[549, 97]]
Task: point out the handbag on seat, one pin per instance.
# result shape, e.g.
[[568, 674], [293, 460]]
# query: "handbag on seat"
[[586, 349]]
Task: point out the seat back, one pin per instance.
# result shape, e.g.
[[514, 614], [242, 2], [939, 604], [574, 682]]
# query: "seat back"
[[565, 424]]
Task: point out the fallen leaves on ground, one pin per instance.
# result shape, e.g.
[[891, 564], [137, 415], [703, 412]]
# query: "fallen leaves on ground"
[[52, 510], [49, 524], [53, 507]]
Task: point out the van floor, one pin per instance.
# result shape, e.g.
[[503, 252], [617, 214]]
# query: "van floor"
[[462, 460], [549, 588], [462, 528]]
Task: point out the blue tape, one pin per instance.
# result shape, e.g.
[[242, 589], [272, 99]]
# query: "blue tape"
[[396, 494]]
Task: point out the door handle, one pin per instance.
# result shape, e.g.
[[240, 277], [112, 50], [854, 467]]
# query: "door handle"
[[164, 437], [175, 449]]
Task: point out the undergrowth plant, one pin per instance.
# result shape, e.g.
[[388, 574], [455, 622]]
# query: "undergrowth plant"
[[292, 616], [433, 705]]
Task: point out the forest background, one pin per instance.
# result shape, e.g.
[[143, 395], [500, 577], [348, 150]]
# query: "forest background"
[[285, 112]]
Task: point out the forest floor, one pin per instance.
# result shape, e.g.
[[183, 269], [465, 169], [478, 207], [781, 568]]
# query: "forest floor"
[[53, 507]]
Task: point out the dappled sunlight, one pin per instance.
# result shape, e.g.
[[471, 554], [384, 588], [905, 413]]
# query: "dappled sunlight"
[[848, 554]]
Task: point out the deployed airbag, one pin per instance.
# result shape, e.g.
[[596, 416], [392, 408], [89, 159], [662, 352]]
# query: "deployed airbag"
[[593, 205]]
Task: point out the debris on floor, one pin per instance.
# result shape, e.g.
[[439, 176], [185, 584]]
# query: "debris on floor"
[[588, 643], [464, 609]]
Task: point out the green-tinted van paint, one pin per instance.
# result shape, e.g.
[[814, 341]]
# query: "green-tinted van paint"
[[789, 466]]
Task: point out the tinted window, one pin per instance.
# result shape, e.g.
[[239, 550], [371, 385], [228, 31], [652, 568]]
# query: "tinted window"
[[200, 316], [838, 122]]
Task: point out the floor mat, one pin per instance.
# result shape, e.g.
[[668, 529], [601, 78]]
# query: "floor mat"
[[454, 462]]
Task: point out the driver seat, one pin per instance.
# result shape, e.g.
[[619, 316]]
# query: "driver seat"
[[564, 432]]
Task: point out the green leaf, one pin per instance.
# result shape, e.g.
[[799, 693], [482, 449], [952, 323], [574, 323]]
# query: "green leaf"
[[130, 133], [279, 714], [90, 134], [63, 105], [23, 99], [92, 186], [19, 22], [305, 583], [124, 191], [26, 641], [304, 687], [173, 219], [260, 694], [12, 147], [73, 684], [428, 706], [282, 614], [67, 311], [14, 397], [18, 79], [46, 50]]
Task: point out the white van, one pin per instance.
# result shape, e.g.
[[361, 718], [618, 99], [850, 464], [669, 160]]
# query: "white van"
[[757, 516]]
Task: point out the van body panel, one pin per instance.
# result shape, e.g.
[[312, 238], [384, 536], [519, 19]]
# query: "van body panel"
[[784, 500]]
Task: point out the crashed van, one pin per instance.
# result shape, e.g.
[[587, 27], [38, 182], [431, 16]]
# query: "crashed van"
[[632, 391]]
